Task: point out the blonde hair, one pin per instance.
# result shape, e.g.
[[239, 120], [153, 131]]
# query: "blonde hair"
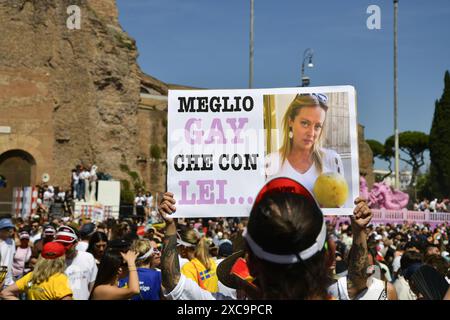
[[141, 246], [45, 268], [201, 251], [299, 102]]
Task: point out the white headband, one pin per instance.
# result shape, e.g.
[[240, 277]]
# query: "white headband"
[[147, 254], [67, 234], [184, 243], [289, 258]]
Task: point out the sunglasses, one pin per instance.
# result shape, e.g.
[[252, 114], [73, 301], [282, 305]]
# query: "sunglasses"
[[316, 96]]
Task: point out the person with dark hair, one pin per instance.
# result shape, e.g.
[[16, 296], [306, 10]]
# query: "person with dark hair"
[[410, 262], [432, 249], [286, 251], [48, 235], [97, 245], [428, 284], [86, 232], [114, 266], [437, 262], [22, 256]]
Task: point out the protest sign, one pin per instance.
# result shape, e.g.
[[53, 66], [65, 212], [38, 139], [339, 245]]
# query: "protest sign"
[[224, 144]]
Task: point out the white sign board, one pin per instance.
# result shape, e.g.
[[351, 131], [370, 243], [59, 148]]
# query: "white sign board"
[[224, 144]]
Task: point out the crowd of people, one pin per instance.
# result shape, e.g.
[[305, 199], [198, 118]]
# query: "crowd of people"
[[286, 237], [435, 205]]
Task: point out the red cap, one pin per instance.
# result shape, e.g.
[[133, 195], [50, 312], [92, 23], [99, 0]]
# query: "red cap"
[[285, 185], [53, 250], [140, 231]]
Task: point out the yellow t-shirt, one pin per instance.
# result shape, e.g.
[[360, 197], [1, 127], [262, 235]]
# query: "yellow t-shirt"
[[207, 279], [55, 288]]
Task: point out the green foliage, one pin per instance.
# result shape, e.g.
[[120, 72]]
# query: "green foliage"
[[134, 175], [155, 151], [377, 148], [124, 168], [423, 186], [414, 144], [380, 152], [137, 181], [125, 184], [125, 42], [126, 195], [440, 144]]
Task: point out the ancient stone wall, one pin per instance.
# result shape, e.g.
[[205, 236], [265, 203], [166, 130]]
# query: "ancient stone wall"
[[74, 92]]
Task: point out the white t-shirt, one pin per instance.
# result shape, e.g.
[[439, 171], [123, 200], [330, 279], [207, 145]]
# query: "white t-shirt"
[[149, 201], [48, 195], [275, 167], [35, 237], [7, 252], [85, 175], [139, 201], [82, 246], [396, 263], [81, 271], [182, 261], [62, 195], [375, 291], [403, 290], [187, 289], [93, 175]]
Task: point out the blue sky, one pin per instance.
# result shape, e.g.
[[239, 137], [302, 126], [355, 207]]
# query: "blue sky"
[[205, 43]]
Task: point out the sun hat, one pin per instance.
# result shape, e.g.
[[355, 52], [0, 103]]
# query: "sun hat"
[[66, 235], [6, 224]]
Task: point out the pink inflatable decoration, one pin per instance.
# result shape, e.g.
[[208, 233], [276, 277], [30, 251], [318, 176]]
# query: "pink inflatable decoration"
[[382, 196], [363, 189]]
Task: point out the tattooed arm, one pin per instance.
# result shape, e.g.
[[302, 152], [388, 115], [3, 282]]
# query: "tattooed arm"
[[170, 266], [358, 255]]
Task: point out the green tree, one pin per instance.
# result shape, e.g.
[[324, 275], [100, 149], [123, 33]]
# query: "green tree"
[[440, 144], [126, 193], [414, 144], [155, 151], [380, 152]]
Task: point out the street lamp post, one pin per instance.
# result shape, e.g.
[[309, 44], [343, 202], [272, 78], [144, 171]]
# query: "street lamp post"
[[252, 17], [307, 55], [396, 139]]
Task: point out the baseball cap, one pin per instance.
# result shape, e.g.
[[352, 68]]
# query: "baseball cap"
[[87, 229], [24, 235], [6, 223], [225, 249], [49, 230], [276, 185], [53, 250], [66, 235]]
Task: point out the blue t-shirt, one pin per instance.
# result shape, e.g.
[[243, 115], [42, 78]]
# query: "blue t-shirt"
[[149, 282]]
